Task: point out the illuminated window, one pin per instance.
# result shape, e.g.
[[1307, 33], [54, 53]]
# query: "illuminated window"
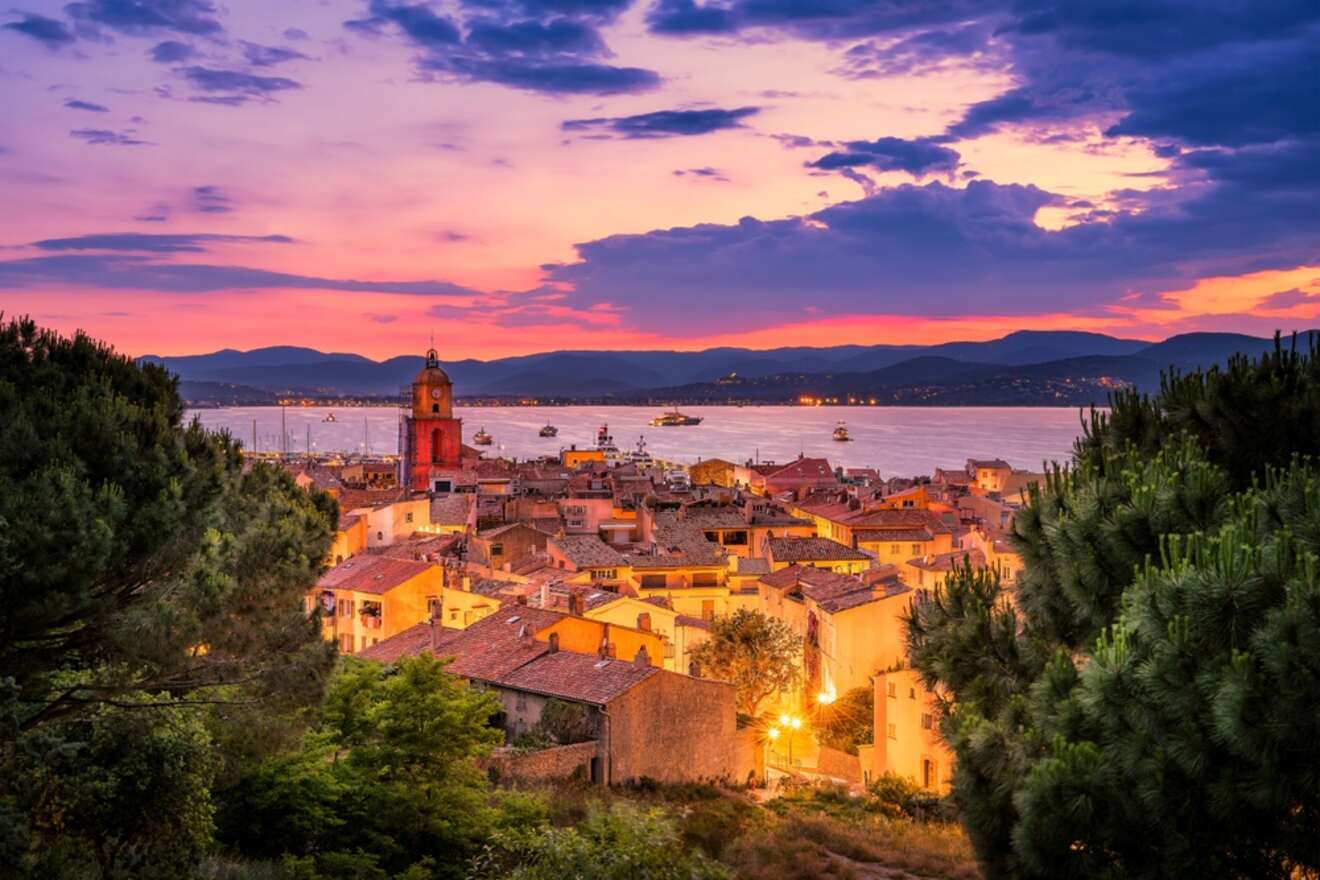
[[927, 721], [893, 731], [892, 690]]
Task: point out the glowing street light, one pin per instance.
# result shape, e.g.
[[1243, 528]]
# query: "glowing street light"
[[824, 698]]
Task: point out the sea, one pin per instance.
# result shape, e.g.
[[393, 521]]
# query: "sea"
[[896, 441]]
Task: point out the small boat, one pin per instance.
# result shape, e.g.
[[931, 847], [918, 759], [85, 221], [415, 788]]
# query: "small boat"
[[330, 417], [841, 432], [549, 431], [481, 438], [674, 419]]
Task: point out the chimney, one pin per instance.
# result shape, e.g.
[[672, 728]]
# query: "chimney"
[[545, 594], [642, 659], [554, 643], [644, 621], [525, 633], [434, 623], [603, 652], [575, 603], [521, 600]]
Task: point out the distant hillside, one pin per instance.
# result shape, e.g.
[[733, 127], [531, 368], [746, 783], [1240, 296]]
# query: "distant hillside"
[[1028, 367]]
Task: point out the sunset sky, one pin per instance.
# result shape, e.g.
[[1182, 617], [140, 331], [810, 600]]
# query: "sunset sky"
[[179, 176]]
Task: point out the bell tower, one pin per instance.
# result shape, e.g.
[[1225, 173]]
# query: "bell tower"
[[432, 437]]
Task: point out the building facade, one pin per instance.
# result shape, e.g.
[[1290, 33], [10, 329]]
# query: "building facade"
[[430, 438]]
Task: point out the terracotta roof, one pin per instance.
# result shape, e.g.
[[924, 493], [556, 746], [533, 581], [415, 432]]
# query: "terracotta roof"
[[832, 592], [654, 561], [804, 469], [373, 574], [419, 545], [582, 678], [947, 561], [753, 565], [450, 510], [713, 517], [412, 641], [356, 499], [347, 520], [812, 550], [996, 463], [587, 551]]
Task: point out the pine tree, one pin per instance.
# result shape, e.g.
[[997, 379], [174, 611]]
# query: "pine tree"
[[1147, 704]]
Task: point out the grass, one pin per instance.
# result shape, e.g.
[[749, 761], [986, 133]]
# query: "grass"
[[812, 831]]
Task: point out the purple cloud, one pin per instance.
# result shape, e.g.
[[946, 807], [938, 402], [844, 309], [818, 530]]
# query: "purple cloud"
[[664, 123], [74, 104], [52, 32]]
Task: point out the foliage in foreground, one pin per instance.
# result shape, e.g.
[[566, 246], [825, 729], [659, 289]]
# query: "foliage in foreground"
[[1147, 706], [152, 633]]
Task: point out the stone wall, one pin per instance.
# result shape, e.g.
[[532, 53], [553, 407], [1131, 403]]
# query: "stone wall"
[[672, 728], [543, 765], [749, 755]]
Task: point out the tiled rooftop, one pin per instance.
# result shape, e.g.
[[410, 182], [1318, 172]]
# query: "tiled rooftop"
[[812, 550], [372, 574], [587, 551]]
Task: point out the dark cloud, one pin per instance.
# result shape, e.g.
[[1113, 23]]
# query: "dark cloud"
[[549, 46], [295, 34], [133, 272], [665, 123], [172, 52], [211, 199], [707, 173], [916, 157], [268, 56], [940, 250], [74, 104], [52, 32], [152, 218], [451, 236], [144, 16], [382, 319], [1286, 299], [106, 136], [156, 244], [968, 43], [240, 86], [813, 19]]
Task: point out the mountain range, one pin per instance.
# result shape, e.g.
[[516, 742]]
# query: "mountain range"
[[1026, 367]]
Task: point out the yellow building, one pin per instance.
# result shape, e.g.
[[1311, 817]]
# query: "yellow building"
[[907, 737], [712, 472], [572, 457], [989, 475], [681, 633], [851, 628], [929, 572], [350, 538], [367, 599]]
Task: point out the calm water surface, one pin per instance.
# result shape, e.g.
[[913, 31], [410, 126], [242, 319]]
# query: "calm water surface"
[[896, 440]]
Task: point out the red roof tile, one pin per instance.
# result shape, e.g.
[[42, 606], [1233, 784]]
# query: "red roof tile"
[[373, 574]]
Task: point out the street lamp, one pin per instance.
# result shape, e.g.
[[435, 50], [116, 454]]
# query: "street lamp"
[[792, 723]]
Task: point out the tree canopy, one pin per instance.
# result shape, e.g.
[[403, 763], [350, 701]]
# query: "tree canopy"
[[151, 604], [1147, 703], [760, 655]]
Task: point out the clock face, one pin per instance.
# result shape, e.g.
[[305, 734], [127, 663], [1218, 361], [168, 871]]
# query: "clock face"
[[435, 393]]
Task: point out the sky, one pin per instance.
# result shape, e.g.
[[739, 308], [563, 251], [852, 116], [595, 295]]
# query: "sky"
[[510, 176]]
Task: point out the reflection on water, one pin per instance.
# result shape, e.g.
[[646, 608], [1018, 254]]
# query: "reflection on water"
[[896, 440]]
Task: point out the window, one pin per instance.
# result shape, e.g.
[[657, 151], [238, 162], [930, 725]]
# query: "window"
[[927, 721], [520, 702], [912, 693], [708, 609], [653, 581], [496, 550], [892, 731], [604, 574], [916, 549], [895, 549], [407, 517], [705, 579], [735, 539], [346, 644], [433, 607], [892, 690], [380, 536], [928, 775], [346, 608]]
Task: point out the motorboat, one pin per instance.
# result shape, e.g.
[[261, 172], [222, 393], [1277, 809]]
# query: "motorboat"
[[841, 432], [549, 431], [481, 438], [674, 418], [330, 417], [640, 456]]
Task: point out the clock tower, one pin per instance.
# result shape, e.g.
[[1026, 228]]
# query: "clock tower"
[[431, 437]]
